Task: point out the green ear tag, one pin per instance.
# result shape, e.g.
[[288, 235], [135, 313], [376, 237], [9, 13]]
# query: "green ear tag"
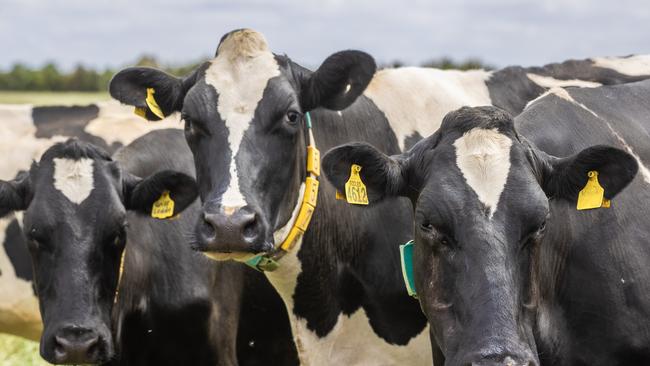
[[406, 255]]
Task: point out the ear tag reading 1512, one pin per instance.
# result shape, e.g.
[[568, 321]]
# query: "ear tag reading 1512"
[[593, 194], [163, 207], [406, 256], [355, 190]]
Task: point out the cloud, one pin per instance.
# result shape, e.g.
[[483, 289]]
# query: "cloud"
[[501, 32]]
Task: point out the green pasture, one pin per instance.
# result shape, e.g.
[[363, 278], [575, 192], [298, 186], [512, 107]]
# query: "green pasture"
[[16, 351]]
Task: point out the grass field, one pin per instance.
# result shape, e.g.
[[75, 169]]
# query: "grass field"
[[51, 98], [15, 351]]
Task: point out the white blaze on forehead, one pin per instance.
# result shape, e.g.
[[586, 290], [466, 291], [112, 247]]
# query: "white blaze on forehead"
[[483, 157], [74, 178], [239, 74], [633, 66]]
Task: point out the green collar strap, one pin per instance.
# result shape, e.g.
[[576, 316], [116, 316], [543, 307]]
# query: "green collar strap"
[[406, 255], [307, 205]]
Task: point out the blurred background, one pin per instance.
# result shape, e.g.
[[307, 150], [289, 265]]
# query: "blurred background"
[[65, 51], [76, 45]]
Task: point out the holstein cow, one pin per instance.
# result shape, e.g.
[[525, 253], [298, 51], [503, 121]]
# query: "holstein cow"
[[27, 132], [520, 257], [246, 122], [86, 219]]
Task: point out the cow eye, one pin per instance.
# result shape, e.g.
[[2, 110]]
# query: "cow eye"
[[426, 227], [36, 240], [120, 236], [293, 117]]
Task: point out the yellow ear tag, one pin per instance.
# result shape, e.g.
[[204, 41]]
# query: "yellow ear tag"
[[593, 194], [339, 196], [355, 190], [152, 104], [163, 207], [139, 111]]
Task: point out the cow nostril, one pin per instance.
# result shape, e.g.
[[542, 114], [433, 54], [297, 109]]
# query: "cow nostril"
[[250, 230]]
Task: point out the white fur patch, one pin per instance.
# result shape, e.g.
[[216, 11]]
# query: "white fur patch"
[[483, 156], [549, 82], [352, 341], [19, 312], [74, 178], [116, 123], [633, 66], [416, 99], [239, 74]]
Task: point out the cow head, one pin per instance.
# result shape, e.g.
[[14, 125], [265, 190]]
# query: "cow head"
[[244, 114], [75, 201], [480, 193]]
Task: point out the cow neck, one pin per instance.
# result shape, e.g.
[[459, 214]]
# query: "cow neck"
[[270, 261]]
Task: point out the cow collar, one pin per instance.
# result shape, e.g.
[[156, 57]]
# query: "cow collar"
[[268, 262], [119, 276]]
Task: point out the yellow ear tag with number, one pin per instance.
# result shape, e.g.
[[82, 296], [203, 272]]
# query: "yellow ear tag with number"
[[163, 207], [153, 105], [355, 190], [593, 194]]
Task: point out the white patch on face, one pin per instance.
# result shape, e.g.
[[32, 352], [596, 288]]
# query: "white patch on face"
[[549, 82], [74, 178], [19, 314], [416, 99], [116, 123], [633, 66], [239, 74], [483, 157], [562, 93]]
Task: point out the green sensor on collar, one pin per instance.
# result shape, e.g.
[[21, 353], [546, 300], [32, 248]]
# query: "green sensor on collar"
[[406, 255], [262, 263]]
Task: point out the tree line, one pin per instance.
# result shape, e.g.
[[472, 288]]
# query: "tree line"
[[49, 77]]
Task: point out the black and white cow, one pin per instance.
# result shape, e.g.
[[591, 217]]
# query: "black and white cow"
[[245, 122], [27, 132], [508, 271], [82, 209]]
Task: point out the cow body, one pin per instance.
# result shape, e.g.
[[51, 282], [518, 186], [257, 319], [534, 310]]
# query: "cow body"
[[244, 121], [505, 273], [595, 307]]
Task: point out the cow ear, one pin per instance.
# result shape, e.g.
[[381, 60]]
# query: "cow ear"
[[338, 82], [565, 177], [382, 175], [154, 93], [140, 194], [15, 194]]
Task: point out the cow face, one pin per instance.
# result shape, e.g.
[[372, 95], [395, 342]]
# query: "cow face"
[[75, 201], [244, 114], [480, 193]]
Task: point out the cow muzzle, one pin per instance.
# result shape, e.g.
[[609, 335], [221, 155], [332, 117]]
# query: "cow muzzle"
[[77, 345], [233, 230]]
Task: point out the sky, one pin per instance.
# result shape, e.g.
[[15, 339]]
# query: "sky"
[[115, 33]]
